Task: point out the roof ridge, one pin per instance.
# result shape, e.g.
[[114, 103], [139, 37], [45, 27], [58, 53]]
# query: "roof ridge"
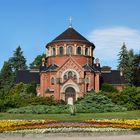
[[70, 34]]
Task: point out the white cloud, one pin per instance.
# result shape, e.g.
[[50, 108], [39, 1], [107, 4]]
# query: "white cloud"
[[108, 42]]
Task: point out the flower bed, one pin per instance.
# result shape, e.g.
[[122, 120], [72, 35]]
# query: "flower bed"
[[65, 130], [45, 126], [133, 124]]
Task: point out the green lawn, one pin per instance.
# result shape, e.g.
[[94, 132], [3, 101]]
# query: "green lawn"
[[77, 117]]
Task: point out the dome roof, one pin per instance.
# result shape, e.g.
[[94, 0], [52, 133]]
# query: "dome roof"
[[71, 34]]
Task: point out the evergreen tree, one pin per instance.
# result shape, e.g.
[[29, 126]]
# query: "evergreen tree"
[[6, 76], [38, 61], [136, 70], [18, 61], [129, 69], [126, 63], [123, 60]]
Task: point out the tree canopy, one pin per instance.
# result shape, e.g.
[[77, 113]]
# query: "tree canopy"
[[6, 75], [37, 61], [136, 70], [18, 61], [126, 64]]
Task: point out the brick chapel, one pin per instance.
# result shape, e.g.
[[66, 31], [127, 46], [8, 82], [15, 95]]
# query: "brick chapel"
[[70, 69]]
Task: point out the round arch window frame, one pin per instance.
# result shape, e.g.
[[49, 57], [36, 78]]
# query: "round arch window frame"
[[53, 51], [52, 80], [64, 72], [61, 50], [70, 51], [86, 51], [79, 50]]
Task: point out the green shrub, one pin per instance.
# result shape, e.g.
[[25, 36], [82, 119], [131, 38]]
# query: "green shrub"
[[129, 97], [92, 103], [30, 110], [108, 88], [40, 109], [39, 101]]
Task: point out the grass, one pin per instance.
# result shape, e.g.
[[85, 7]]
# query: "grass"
[[78, 117]]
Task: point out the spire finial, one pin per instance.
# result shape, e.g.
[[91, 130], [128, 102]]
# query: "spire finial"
[[70, 22]]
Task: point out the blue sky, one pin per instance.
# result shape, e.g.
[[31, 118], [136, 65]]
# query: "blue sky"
[[33, 23]]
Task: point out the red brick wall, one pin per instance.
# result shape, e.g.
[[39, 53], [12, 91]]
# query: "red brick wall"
[[78, 62], [81, 60]]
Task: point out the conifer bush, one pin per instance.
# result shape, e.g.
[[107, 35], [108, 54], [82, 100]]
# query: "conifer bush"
[[90, 103], [108, 88], [97, 103]]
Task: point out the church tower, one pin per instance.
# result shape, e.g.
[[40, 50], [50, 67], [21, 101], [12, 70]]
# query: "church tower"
[[68, 71]]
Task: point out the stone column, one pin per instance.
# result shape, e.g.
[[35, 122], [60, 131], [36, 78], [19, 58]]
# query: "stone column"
[[56, 47], [90, 50], [84, 50], [65, 49], [50, 51], [75, 48]]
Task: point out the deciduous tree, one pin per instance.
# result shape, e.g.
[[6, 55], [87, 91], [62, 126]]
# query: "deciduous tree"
[[37, 61]]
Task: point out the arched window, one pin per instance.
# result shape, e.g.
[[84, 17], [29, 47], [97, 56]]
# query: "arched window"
[[65, 77], [69, 50], [86, 51], [54, 52], [79, 50], [52, 81], [70, 74], [61, 50]]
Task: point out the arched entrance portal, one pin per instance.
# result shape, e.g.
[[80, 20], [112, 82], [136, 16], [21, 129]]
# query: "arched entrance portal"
[[70, 95]]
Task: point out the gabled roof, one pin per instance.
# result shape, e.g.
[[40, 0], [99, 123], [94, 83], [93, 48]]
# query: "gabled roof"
[[26, 76], [51, 67], [70, 59], [113, 77], [71, 34], [87, 67]]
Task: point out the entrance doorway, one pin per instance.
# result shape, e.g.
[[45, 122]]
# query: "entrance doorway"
[[70, 95]]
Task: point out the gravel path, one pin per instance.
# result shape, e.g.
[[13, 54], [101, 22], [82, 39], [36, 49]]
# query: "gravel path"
[[55, 137]]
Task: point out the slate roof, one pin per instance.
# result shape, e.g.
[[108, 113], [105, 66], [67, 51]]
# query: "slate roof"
[[51, 67], [71, 34], [87, 67], [26, 76], [105, 68], [113, 77]]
